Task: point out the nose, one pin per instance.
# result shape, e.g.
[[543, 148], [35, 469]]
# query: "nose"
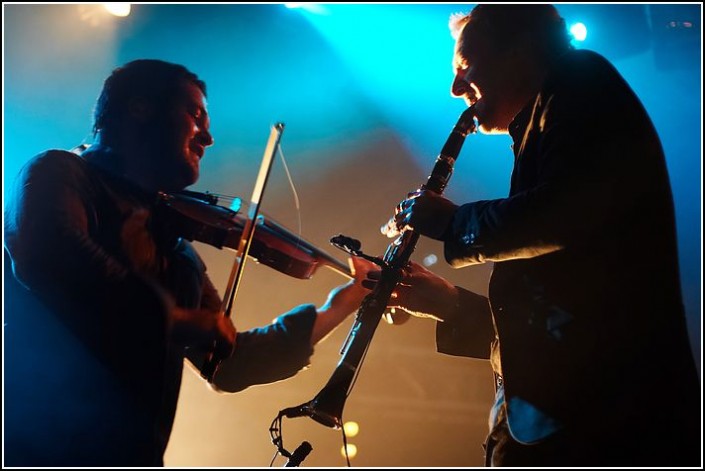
[[204, 137], [460, 86]]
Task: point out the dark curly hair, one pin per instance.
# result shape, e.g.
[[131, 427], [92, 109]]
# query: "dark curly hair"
[[153, 80]]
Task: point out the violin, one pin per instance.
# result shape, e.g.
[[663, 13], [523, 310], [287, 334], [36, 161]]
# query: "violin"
[[197, 216]]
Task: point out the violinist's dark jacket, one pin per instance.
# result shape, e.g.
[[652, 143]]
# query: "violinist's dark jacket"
[[90, 377]]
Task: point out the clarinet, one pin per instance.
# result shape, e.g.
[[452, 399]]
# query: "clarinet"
[[327, 407]]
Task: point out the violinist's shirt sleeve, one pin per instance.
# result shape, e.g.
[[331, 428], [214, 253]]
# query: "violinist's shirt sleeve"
[[270, 353]]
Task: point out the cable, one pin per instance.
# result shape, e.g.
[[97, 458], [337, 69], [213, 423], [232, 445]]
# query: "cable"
[[293, 187]]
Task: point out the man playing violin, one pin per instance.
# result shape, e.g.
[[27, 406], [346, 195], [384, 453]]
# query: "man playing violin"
[[103, 305]]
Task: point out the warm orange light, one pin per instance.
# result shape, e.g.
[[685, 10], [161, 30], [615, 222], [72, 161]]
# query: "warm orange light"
[[351, 429], [352, 450], [118, 9]]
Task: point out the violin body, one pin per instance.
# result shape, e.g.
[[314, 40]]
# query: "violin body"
[[197, 217]]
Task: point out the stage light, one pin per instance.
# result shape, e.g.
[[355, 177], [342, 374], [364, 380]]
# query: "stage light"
[[118, 9], [578, 31], [430, 259], [351, 429], [352, 450], [616, 31], [310, 7]]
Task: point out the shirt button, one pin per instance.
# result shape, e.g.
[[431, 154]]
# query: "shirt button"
[[468, 239]]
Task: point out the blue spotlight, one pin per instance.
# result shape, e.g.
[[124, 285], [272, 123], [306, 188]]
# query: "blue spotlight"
[[578, 31], [311, 7]]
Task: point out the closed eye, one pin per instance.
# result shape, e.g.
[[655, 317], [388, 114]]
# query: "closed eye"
[[196, 114]]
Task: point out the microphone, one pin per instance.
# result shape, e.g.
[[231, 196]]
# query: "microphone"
[[299, 454]]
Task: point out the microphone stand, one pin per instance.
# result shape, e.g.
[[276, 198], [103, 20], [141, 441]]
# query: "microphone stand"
[[299, 454]]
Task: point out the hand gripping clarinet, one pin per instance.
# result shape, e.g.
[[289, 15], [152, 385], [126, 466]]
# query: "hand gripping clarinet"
[[327, 407]]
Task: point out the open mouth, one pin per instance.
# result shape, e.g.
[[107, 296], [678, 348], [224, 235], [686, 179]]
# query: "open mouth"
[[198, 150]]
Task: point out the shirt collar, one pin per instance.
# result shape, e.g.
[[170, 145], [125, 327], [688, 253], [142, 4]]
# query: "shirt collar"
[[107, 161], [518, 126]]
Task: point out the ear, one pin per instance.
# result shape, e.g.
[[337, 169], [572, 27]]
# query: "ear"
[[523, 54], [140, 109]]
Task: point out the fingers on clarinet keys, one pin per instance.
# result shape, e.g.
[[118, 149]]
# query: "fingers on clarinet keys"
[[395, 316], [397, 223], [395, 226], [389, 229]]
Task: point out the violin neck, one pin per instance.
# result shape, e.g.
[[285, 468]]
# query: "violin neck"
[[336, 265]]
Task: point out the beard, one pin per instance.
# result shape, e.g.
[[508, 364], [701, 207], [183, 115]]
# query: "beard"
[[176, 170], [491, 119], [186, 173]]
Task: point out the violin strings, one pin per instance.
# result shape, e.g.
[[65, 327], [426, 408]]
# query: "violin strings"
[[293, 187], [222, 196], [230, 199]]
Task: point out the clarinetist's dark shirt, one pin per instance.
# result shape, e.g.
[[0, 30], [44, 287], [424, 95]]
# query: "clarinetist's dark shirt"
[[586, 312], [91, 377]]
